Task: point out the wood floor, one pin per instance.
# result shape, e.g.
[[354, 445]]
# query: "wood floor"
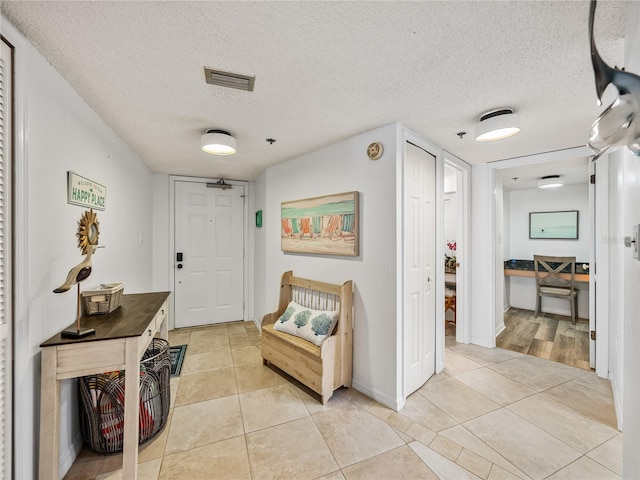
[[548, 336]]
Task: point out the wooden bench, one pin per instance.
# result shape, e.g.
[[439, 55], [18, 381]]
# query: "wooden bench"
[[322, 368]]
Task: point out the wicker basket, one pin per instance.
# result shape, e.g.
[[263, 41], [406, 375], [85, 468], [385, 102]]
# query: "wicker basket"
[[103, 299], [102, 401]]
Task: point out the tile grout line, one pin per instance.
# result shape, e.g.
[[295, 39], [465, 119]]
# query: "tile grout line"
[[495, 451]]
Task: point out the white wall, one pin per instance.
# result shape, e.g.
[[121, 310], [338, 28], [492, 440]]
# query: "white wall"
[[58, 132], [569, 197], [260, 299], [482, 257], [343, 167], [450, 179], [161, 234]]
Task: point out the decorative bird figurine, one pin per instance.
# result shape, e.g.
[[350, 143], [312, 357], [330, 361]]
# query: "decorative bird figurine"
[[77, 273], [619, 124]]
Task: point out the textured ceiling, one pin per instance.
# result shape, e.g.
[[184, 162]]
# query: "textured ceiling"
[[325, 71], [572, 171]]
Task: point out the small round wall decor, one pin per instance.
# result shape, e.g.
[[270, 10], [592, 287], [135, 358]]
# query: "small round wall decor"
[[88, 231], [375, 150]]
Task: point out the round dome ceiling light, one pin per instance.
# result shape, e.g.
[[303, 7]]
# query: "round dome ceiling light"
[[218, 142], [550, 181], [497, 125]]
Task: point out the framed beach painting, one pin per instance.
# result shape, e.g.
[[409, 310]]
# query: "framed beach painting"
[[554, 225], [326, 225]]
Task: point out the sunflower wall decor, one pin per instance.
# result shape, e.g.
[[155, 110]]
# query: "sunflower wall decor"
[[88, 231]]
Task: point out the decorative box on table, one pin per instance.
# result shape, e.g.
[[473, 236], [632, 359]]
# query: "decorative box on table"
[[103, 299]]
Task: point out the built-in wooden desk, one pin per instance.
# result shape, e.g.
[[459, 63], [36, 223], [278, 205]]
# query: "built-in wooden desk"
[[121, 338], [580, 277], [525, 268]]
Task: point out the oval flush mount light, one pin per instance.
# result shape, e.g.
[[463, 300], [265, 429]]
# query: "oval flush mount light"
[[218, 142], [550, 181], [496, 125]]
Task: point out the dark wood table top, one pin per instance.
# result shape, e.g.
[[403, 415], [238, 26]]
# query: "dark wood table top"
[[129, 320]]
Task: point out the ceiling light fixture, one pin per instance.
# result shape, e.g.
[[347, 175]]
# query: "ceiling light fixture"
[[496, 125], [218, 142], [550, 181]]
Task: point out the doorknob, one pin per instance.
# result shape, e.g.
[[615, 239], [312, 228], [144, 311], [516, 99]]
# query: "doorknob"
[[179, 266]]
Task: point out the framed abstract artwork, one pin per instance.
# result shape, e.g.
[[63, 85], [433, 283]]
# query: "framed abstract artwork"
[[554, 225], [326, 225]]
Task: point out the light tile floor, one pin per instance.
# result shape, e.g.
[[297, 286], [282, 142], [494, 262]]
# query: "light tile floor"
[[491, 414]]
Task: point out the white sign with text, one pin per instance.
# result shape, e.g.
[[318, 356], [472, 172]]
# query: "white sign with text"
[[86, 193]]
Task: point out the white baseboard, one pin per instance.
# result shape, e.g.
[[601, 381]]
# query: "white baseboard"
[[378, 396], [483, 342], [617, 402], [70, 455]]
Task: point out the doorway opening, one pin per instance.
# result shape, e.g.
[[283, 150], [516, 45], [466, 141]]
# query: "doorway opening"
[[455, 242], [550, 334], [450, 220]]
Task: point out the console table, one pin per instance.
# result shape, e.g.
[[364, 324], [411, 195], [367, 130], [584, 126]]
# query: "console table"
[[121, 338]]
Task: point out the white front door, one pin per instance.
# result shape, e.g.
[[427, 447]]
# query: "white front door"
[[419, 267], [208, 255]]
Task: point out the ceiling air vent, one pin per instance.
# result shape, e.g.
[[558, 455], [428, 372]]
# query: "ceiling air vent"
[[229, 80]]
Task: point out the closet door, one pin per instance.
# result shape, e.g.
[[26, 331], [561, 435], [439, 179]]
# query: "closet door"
[[419, 267]]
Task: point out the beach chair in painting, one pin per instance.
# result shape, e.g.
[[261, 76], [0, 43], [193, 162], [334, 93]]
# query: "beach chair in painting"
[[348, 224], [295, 227], [287, 231], [306, 228], [316, 224], [332, 227]]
